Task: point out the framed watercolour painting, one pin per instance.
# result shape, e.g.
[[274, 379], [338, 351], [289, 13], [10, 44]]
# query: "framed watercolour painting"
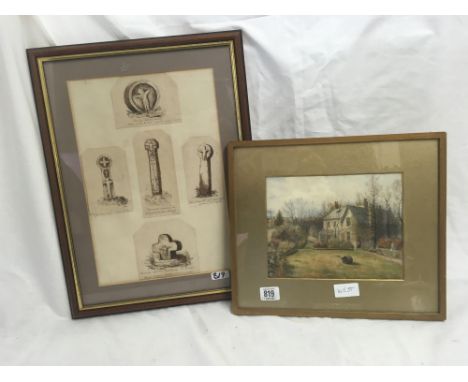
[[134, 135], [339, 227]]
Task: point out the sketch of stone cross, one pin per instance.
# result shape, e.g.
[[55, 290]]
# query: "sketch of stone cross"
[[205, 152], [165, 247], [104, 163], [152, 146]]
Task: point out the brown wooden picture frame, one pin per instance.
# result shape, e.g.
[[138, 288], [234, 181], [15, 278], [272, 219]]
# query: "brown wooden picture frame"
[[419, 157], [221, 51]]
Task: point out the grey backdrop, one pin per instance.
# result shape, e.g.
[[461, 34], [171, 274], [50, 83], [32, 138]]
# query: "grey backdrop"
[[307, 76]]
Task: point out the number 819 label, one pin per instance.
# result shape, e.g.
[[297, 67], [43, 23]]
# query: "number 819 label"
[[269, 293]]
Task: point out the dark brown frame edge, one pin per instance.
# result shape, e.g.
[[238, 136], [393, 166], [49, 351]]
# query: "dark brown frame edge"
[[33, 55], [441, 315]]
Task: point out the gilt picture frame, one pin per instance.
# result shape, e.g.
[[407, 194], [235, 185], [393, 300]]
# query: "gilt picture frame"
[[349, 227], [134, 135]]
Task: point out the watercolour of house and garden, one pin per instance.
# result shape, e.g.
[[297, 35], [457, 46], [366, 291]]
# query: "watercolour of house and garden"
[[335, 227]]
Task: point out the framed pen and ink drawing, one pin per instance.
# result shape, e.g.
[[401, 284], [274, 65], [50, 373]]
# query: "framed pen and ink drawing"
[[134, 135], [339, 227]]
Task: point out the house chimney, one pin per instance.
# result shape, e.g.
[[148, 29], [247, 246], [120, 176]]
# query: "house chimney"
[[337, 205]]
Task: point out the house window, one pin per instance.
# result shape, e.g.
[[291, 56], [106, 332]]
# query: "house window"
[[348, 222], [348, 236]]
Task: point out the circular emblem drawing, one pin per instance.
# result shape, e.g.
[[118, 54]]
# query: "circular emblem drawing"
[[142, 98]]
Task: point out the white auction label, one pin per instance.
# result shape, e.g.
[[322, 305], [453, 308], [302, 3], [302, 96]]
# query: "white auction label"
[[346, 290], [220, 275], [269, 293]]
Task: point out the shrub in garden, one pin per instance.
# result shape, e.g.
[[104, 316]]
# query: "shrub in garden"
[[288, 238], [387, 243], [384, 242], [319, 245], [288, 232], [397, 244], [340, 244]]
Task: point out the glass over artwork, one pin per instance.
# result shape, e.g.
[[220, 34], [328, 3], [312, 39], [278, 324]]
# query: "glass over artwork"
[[134, 133], [335, 227]]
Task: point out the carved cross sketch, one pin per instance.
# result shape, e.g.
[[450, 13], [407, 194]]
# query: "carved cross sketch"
[[205, 153], [104, 163], [166, 248], [152, 146]]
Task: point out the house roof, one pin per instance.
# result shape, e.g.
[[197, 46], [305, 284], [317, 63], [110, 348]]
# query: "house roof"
[[360, 213], [337, 213]]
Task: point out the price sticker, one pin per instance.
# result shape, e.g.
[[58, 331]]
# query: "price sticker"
[[346, 290], [220, 275], [269, 293]]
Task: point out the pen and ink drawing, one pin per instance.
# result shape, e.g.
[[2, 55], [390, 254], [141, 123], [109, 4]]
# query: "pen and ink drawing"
[[104, 162], [203, 170], [106, 180], [145, 101], [205, 184], [156, 171], [142, 99], [167, 253], [165, 248]]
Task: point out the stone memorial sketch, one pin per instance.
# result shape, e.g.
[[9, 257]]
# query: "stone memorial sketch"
[[165, 249], [205, 184], [204, 172], [106, 180], [144, 101], [156, 171]]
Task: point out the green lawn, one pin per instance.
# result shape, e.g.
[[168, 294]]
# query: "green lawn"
[[319, 263]]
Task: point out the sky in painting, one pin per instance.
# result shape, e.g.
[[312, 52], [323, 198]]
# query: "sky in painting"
[[318, 189]]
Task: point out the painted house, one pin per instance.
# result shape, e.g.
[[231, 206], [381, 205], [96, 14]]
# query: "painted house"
[[348, 223]]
